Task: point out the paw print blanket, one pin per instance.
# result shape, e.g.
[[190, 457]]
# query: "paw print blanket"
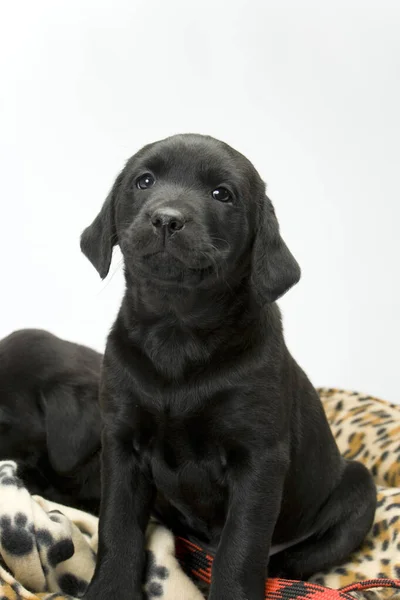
[[48, 551]]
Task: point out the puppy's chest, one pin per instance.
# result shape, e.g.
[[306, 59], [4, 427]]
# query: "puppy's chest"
[[170, 443], [188, 465]]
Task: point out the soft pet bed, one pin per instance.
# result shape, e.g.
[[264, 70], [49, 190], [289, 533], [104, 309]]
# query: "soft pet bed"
[[48, 551]]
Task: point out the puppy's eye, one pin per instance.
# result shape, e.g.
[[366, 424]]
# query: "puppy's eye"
[[222, 195], [145, 181]]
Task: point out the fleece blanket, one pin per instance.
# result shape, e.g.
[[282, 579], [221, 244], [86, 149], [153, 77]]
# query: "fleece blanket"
[[48, 551]]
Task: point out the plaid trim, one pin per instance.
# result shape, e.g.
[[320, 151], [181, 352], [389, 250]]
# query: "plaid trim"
[[196, 562]]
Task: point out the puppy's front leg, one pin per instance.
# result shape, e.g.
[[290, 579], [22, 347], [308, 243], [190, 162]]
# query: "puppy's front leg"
[[240, 566], [125, 510]]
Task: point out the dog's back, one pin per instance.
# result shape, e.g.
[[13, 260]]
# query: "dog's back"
[[31, 357]]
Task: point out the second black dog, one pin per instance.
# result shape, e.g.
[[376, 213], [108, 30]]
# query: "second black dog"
[[49, 416]]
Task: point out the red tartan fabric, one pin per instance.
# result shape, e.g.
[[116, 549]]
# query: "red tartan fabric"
[[198, 563]]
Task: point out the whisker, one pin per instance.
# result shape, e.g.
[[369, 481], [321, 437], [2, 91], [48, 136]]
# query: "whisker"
[[116, 270], [213, 261], [216, 239]]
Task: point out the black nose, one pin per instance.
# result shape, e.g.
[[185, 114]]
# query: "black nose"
[[168, 220]]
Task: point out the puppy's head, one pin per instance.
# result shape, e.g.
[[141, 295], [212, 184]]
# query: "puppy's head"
[[190, 211]]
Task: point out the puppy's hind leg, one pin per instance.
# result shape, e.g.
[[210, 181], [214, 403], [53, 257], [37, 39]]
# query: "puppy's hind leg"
[[341, 527]]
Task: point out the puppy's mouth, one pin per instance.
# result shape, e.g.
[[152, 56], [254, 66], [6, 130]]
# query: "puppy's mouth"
[[164, 266]]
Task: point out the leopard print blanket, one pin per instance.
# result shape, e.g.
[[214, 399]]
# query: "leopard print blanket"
[[48, 551]]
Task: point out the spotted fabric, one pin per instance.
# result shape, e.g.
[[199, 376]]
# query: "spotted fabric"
[[48, 551], [368, 430]]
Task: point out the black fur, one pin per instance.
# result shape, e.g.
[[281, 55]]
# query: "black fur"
[[49, 416], [209, 422]]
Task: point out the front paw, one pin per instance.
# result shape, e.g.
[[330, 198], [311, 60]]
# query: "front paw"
[[226, 591], [112, 593], [229, 595]]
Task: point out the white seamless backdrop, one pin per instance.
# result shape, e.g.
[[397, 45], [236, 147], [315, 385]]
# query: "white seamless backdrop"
[[310, 91]]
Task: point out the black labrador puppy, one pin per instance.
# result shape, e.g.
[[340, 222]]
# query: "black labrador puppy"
[[50, 420], [208, 420]]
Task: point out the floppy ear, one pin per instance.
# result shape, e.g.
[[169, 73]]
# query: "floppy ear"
[[73, 425], [99, 239], [274, 268]]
